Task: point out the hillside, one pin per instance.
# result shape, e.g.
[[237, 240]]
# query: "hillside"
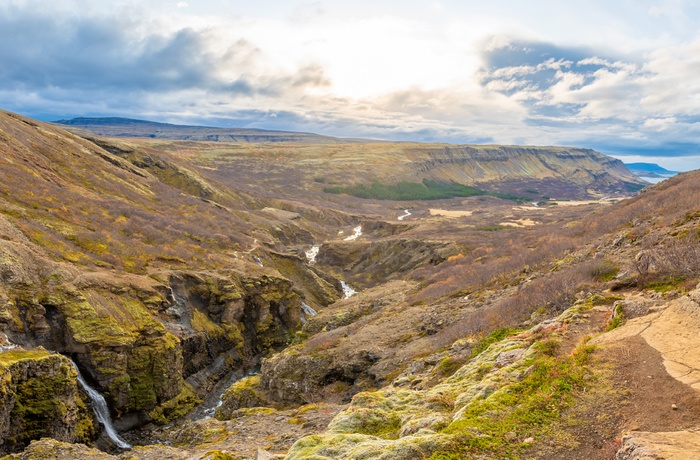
[[527, 172], [206, 290], [311, 171]]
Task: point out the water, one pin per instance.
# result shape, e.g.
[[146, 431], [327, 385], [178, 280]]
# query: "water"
[[357, 232], [406, 213], [177, 304], [307, 309], [312, 253], [347, 290], [7, 344], [99, 405]]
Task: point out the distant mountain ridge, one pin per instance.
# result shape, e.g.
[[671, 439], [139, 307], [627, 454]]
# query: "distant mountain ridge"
[[563, 172], [129, 127], [650, 170]]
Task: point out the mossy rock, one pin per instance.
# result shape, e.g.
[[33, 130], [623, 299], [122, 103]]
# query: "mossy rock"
[[39, 398], [243, 393], [176, 407]]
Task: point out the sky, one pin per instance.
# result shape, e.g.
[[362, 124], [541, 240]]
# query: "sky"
[[619, 76]]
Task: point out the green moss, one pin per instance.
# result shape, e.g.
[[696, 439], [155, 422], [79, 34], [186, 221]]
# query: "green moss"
[[307, 408], [201, 322], [525, 407], [604, 271], [374, 422], [12, 356], [234, 335], [665, 284], [177, 407], [617, 319], [243, 393], [449, 365], [495, 336], [218, 455], [250, 411], [604, 300]]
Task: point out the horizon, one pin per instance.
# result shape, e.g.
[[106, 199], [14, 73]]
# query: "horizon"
[[616, 77], [368, 139]]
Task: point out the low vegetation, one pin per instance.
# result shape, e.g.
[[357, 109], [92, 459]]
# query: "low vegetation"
[[409, 191], [512, 418]]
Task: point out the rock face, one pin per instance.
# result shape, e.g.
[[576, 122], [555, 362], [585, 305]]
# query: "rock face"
[[659, 446], [39, 398], [145, 351], [369, 263], [679, 319], [552, 169]]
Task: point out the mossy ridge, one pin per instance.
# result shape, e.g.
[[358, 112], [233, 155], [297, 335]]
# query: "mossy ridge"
[[9, 357], [318, 290], [470, 413]]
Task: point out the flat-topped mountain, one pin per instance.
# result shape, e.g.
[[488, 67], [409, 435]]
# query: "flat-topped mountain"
[[530, 172], [650, 170], [127, 127]]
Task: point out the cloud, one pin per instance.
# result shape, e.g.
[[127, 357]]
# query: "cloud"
[[619, 105], [106, 58]]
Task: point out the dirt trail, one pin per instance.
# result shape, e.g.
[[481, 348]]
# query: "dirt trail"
[[655, 365]]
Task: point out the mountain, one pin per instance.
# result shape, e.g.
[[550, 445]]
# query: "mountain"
[[210, 292], [127, 127], [650, 171], [649, 168], [552, 171]]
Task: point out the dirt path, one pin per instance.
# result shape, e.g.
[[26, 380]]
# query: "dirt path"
[[643, 399]]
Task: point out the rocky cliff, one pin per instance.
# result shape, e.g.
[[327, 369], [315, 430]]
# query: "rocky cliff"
[[39, 398], [91, 277]]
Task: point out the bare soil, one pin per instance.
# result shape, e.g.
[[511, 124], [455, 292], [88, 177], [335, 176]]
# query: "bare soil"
[[634, 393]]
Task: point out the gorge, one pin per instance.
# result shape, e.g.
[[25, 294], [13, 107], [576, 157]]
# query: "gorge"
[[176, 271]]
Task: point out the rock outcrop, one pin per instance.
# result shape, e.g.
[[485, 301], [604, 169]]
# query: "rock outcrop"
[[39, 397]]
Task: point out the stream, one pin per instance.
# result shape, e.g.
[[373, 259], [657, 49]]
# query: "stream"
[[306, 310], [406, 213], [347, 290], [357, 232]]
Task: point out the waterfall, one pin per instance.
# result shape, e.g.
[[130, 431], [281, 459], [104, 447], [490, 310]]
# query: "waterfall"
[[177, 305], [6, 344], [99, 405], [347, 290], [312, 253], [357, 232], [306, 310]]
